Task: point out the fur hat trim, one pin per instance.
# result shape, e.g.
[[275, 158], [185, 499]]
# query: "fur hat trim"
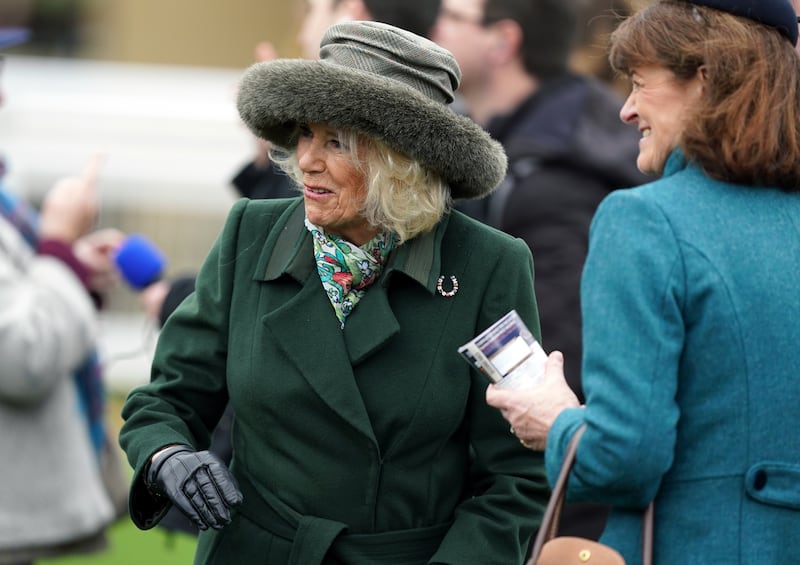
[[403, 112]]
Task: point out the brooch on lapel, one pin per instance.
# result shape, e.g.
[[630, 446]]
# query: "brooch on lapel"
[[447, 293]]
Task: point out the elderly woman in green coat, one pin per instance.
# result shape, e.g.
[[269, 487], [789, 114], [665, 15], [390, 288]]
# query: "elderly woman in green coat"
[[332, 323]]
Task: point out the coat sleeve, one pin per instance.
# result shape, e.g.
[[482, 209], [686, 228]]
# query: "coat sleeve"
[[632, 293], [187, 391], [509, 488], [47, 321]]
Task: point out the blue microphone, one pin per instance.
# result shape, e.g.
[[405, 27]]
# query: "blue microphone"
[[140, 261]]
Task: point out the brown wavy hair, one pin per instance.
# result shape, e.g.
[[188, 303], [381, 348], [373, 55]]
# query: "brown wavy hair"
[[747, 125]]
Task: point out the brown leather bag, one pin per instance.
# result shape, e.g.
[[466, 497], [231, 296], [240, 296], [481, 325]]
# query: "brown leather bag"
[[549, 549]]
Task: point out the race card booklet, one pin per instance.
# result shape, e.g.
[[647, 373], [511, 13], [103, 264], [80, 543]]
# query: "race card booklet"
[[507, 353]]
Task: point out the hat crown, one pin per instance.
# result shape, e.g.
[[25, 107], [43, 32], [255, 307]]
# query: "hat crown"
[[393, 53], [778, 14]]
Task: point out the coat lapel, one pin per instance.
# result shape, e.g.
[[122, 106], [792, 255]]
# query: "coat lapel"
[[305, 328], [370, 326], [373, 323], [307, 331]]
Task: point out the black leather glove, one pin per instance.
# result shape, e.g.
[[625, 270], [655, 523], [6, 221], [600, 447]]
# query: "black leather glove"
[[198, 483]]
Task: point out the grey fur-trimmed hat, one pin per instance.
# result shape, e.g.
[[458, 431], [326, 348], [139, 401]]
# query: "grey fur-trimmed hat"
[[383, 81]]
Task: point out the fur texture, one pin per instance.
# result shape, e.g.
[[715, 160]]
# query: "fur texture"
[[275, 96]]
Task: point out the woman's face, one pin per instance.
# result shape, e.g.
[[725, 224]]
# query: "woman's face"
[[659, 104], [334, 189]]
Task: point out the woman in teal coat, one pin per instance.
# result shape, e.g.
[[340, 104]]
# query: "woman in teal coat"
[[332, 324], [690, 298]]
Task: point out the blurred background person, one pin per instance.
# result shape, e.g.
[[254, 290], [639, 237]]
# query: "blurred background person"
[[53, 499], [596, 20], [416, 16], [331, 322], [689, 297], [566, 152]]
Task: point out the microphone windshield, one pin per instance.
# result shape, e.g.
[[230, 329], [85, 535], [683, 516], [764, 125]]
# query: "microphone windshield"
[[140, 261]]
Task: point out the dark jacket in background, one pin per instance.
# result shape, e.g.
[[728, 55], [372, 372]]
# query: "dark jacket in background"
[[567, 150], [258, 183]]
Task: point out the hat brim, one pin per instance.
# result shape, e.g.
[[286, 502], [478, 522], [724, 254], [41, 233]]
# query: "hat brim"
[[275, 96]]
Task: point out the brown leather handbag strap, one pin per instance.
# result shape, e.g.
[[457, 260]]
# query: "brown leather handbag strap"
[[647, 535], [552, 515]]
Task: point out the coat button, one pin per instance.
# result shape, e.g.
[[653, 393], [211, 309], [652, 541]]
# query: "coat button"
[[760, 479]]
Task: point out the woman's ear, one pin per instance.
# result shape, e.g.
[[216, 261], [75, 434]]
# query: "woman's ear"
[[698, 83]]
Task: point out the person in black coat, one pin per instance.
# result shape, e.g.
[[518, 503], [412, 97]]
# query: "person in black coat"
[[566, 147]]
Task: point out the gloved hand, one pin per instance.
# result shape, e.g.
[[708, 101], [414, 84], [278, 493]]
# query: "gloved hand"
[[198, 483]]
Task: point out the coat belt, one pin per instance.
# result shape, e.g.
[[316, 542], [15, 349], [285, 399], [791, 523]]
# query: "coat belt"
[[313, 537]]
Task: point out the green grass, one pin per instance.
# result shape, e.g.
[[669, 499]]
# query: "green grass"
[[131, 546]]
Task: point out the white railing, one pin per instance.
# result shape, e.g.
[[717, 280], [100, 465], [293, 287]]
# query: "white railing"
[[172, 140]]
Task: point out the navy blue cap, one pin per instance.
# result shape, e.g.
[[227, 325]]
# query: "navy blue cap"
[[10, 36], [774, 13]]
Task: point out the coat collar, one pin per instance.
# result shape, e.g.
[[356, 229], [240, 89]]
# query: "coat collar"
[[676, 162], [292, 254], [288, 252]]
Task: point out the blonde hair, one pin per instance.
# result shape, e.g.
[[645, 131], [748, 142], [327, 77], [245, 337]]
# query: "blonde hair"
[[402, 196]]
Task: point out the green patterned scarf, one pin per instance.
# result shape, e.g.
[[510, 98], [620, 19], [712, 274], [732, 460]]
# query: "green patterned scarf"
[[346, 270]]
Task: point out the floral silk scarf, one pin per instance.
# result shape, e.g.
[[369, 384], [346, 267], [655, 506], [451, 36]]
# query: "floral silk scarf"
[[346, 270]]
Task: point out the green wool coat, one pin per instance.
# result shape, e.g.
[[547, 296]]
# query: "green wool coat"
[[367, 445]]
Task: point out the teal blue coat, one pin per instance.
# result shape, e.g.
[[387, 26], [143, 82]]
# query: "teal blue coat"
[[367, 445], [691, 310]]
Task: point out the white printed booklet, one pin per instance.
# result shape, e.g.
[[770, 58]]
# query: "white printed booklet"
[[507, 353]]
